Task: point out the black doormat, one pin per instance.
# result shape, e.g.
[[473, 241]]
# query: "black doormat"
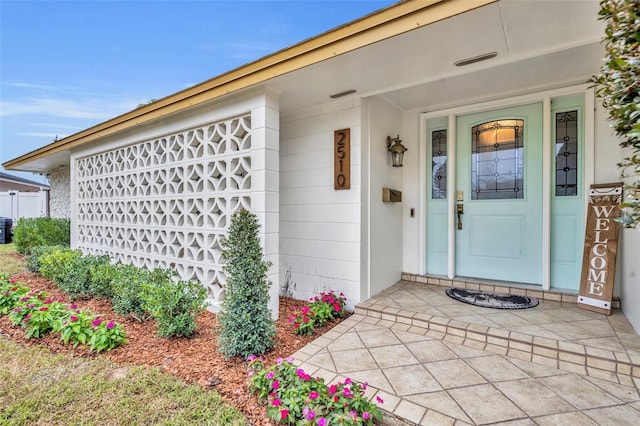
[[491, 300]]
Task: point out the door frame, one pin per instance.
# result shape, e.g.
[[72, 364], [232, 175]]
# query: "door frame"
[[547, 150]]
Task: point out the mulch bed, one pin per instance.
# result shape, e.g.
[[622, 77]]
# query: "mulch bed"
[[195, 360]]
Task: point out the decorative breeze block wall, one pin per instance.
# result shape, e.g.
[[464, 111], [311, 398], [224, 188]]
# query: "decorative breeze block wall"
[[167, 202]]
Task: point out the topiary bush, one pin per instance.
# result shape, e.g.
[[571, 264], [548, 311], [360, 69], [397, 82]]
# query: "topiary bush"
[[41, 231], [246, 327], [174, 305]]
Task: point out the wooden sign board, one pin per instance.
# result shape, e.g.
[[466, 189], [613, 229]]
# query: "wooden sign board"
[[342, 159], [600, 248]]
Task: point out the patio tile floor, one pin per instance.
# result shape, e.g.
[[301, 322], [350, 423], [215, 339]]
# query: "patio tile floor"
[[434, 363]]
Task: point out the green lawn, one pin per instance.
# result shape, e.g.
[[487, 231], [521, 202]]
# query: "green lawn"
[[8, 264], [41, 388]]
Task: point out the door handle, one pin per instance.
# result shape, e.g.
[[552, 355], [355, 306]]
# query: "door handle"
[[460, 211]]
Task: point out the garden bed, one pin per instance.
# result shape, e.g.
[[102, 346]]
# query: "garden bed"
[[194, 360]]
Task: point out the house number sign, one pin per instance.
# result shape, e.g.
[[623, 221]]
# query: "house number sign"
[[342, 159]]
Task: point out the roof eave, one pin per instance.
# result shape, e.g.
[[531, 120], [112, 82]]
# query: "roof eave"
[[394, 20]]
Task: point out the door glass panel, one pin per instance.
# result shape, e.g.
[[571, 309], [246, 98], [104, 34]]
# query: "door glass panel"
[[566, 153], [439, 164], [497, 160]]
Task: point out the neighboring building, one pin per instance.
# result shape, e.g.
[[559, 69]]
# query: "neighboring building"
[[9, 182], [20, 197], [500, 84]]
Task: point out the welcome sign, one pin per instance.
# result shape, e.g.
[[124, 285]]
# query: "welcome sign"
[[600, 248]]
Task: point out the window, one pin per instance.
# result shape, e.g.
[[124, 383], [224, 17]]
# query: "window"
[[439, 164], [497, 160], [566, 153]]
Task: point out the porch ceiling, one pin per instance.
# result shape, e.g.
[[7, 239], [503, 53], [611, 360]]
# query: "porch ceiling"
[[539, 44]]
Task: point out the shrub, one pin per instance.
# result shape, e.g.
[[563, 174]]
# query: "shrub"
[[174, 305], [37, 252], [246, 324], [294, 397], [617, 86], [100, 271], [128, 286], [52, 264], [41, 231]]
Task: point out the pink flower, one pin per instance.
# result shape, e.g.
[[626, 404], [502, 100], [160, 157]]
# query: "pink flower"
[[96, 322], [44, 308], [290, 359], [270, 375], [252, 358], [310, 414], [48, 301], [313, 395], [275, 385], [110, 325], [73, 318], [12, 280], [276, 402], [366, 415], [279, 361], [333, 389], [322, 421], [73, 306], [284, 414], [380, 400], [347, 381]]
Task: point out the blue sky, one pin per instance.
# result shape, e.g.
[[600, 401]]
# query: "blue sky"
[[67, 65]]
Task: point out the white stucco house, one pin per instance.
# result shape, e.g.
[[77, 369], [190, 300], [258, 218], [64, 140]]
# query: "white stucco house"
[[491, 98]]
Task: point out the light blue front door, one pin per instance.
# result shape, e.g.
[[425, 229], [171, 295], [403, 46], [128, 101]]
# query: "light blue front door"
[[499, 185]]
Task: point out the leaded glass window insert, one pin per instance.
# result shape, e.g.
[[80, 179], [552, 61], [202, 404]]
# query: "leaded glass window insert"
[[497, 160], [566, 153], [439, 164]]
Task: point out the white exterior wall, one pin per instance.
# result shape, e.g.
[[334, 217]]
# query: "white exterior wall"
[[60, 193], [382, 221], [162, 195], [319, 226]]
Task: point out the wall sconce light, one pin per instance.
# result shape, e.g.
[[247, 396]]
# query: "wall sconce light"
[[397, 150]]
